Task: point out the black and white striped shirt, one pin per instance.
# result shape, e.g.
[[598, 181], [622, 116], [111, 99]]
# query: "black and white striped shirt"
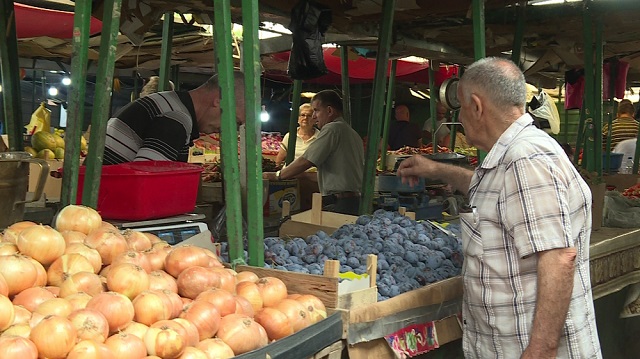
[[160, 126]]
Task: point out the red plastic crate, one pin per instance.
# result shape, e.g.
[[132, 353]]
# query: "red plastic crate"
[[146, 189]]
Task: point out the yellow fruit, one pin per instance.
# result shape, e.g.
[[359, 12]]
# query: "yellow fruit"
[[59, 153], [43, 140], [46, 154], [83, 144], [59, 140], [31, 150]]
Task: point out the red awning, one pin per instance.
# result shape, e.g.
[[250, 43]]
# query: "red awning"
[[33, 21], [362, 70]]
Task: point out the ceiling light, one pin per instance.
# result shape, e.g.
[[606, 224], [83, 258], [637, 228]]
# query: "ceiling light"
[[550, 2], [0, 88], [419, 94], [307, 94], [53, 91], [66, 81], [264, 115]]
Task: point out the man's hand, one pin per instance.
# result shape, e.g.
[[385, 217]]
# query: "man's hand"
[[415, 167], [271, 176]]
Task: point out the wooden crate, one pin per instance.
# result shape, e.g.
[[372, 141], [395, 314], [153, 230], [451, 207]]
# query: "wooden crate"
[[210, 192], [334, 351], [309, 222]]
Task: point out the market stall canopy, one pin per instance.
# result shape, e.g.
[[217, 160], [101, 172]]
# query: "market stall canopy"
[[33, 21]]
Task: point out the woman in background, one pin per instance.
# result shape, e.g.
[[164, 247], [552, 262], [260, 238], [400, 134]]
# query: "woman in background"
[[306, 134]]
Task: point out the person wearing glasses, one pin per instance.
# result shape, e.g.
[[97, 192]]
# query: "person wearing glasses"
[[306, 133], [337, 152]]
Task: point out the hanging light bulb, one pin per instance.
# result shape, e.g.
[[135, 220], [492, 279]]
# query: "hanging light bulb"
[[66, 81], [264, 115], [0, 88], [53, 91]]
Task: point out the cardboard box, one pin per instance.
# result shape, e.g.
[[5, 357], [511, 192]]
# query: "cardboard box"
[[279, 191], [53, 186]]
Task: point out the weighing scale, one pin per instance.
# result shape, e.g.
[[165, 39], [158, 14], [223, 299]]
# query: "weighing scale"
[[173, 230]]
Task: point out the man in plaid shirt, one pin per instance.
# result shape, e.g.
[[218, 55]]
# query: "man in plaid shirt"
[[527, 290]]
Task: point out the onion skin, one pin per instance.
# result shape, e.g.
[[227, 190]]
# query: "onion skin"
[[164, 342], [117, 308], [54, 337], [13, 347], [18, 272], [41, 243], [109, 243], [204, 316], [31, 298], [128, 279], [78, 218], [7, 313], [216, 348], [90, 325], [275, 322], [89, 349], [125, 346], [150, 307], [272, 291], [242, 333]]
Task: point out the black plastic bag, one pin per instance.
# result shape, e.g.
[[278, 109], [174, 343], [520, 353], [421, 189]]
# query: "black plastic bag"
[[219, 230], [309, 22]]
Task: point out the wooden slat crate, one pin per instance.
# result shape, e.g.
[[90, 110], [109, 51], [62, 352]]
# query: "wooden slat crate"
[[309, 222]]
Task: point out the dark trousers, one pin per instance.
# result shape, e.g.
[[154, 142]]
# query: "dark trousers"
[[346, 205]]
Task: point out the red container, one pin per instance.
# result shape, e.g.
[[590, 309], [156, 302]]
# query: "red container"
[[146, 189]]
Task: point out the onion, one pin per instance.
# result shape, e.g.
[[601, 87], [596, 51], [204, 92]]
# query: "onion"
[[41, 273], [65, 266], [71, 237], [7, 248], [227, 279], [194, 280], [41, 243], [188, 333], [275, 322], [31, 298], [14, 347], [36, 318], [164, 342], [181, 258], [244, 307], [128, 279], [108, 243], [22, 315], [157, 255], [126, 346], [7, 313], [137, 329], [91, 254], [251, 292], [18, 330], [214, 261], [116, 307], [54, 337], [313, 305], [87, 282], [4, 289], [153, 238], [108, 226], [272, 291], [224, 301], [296, 312], [161, 280], [192, 334], [90, 325], [133, 257], [216, 348], [204, 315], [150, 307], [294, 296], [186, 301], [89, 349], [18, 272], [78, 218], [137, 240], [242, 333], [246, 276], [55, 306], [193, 353], [176, 303], [53, 289], [11, 233], [78, 300]]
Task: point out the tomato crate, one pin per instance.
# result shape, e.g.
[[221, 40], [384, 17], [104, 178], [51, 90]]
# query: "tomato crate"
[[145, 189]]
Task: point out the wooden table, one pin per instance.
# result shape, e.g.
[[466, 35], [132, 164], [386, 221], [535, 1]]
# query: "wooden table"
[[614, 259]]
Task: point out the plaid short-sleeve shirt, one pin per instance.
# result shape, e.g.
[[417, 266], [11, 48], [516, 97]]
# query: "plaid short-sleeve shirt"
[[528, 198]]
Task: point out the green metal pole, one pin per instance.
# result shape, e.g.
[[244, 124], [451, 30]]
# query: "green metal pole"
[[10, 69], [479, 49], [519, 33], [580, 136], [176, 77], [75, 110], [387, 115], [589, 88], [377, 103], [293, 122], [346, 93], [251, 66], [228, 129], [102, 101], [433, 105], [613, 69], [165, 52], [454, 118], [597, 96]]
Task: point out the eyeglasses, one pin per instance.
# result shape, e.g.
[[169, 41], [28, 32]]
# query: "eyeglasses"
[[307, 115]]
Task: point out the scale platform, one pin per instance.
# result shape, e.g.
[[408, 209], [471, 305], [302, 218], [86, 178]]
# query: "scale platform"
[[173, 229]]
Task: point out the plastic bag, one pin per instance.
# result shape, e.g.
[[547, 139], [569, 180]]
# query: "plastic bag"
[[40, 120], [219, 229], [309, 22], [620, 211], [547, 110]]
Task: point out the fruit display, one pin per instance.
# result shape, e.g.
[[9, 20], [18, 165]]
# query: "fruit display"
[[271, 142], [51, 146], [410, 254], [632, 192], [84, 289]]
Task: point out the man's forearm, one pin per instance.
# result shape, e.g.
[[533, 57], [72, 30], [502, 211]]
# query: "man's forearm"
[[556, 270], [459, 178], [296, 167]]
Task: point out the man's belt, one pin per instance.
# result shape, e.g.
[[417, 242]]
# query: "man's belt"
[[341, 195]]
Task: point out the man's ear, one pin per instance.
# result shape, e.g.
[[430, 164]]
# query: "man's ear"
[[476, 105], [216, 99]]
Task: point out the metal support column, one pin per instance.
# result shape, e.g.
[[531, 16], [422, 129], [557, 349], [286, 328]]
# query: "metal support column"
[[102, 101], [165, 52], [251, 66], [375, 115], [597, 96], [613, 71], [228, 129], [433, 113], [293, 121], [479, 49], [346, 93], [75, 110], [11, 95], [454, 118], [518, 35], [588, 157], [391, 90]]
